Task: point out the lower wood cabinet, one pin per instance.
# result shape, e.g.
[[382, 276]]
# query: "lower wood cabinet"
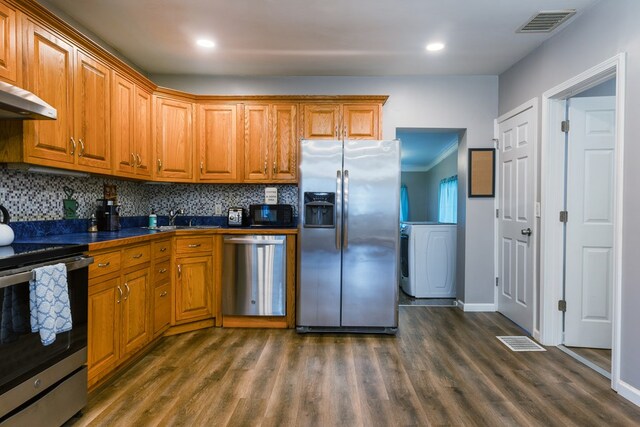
[[104, 321], [161, 308], [135, 329], [193, 288]]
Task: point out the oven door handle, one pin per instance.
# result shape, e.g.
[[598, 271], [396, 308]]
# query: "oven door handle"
[[24, 274]]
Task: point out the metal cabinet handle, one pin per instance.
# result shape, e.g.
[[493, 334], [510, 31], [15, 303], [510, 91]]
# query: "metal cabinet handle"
[[338, 207], [120, 297], [344, 132], [201, 167], [163, 249], [274, 167], [133, 160], [137, 256], [163, 294], [162, 270], [81, 153], [194, 245], [526, 231], [159, 165], [73, 146], [104, 265], [336, 131], [265, 167], [179, 271], [128, 291], [138, 160], [345, 222]]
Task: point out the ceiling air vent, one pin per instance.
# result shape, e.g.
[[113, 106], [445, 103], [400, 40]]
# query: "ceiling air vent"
[[546, 21]]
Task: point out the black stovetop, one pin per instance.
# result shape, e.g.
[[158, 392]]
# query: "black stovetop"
[[19, 254]]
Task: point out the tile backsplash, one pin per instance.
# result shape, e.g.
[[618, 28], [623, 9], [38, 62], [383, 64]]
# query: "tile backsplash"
[[32, 197]]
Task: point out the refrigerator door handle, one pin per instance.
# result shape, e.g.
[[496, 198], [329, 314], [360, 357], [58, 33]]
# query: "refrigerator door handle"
[[338, 207], [345, 221]]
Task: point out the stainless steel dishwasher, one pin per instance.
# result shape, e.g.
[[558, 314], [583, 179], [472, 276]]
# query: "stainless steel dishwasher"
[[254, 275]]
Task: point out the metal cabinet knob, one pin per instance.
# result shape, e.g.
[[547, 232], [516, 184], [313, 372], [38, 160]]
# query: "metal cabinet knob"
[[526, 232]]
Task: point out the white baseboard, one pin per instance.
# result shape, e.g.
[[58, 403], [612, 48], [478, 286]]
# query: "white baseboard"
[[629, 392], [476, 307]]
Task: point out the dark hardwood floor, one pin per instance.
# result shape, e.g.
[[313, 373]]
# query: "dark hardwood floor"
[[597, 356], [444, 367]]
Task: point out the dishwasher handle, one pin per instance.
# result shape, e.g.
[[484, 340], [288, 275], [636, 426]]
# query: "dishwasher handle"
[[250, 241]]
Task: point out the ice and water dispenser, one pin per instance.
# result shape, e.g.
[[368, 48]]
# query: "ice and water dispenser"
[[319, 210]]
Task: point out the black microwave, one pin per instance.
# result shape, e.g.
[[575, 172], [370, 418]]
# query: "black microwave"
[[271, 215]]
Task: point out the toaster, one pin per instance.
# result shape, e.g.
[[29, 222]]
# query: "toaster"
[[235, 217]]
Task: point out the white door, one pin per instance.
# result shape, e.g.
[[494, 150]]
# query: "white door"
[[517, 136], [589, 241]]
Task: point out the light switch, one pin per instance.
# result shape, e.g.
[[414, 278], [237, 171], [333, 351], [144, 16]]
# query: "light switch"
[[538, 210], [217, 209]]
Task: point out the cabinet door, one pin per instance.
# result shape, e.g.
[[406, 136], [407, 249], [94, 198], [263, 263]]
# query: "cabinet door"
[[122, 126], [284, 154], [194, 288], [104, 322], [161, 308], [321, 121], [361, 121], [174, 139], [217, 142], [256, 142], [92, 113], [8, 46], [142, 132], [135, 311], [48, 72]]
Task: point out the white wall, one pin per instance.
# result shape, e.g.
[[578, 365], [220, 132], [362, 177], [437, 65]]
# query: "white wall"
[[605, 30], [456, 102]]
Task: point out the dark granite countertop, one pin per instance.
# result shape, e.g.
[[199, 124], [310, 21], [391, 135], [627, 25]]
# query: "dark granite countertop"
[[87, 238]]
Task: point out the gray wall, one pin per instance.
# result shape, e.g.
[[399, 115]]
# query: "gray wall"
[[454, 102], [608, 28], [446, 168], [416, 183]]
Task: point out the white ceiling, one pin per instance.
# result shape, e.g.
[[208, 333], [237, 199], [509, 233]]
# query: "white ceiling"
[[423, 148], [321, 37]]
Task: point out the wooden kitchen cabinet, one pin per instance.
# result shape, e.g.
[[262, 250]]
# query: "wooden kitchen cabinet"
[[193, 288], [161, 278], [136, 329], [342, 121], [78, 86], [219, 152], [8, 43], [162, 308], [174, 140], [270, 143], [103, 325], [130, 128]]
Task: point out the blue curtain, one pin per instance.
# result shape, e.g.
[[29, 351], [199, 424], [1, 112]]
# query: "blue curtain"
[[404, 203], [448, 200]]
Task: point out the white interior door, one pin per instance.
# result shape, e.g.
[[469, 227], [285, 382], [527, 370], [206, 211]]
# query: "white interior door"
[[590, 204], [517, 136]]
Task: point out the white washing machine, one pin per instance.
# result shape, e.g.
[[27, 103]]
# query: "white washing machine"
[[428, 259]]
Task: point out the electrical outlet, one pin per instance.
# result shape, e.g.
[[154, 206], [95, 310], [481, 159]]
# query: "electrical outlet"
[[217, 210]]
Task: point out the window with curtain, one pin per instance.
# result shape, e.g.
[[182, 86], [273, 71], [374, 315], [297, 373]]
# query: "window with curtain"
[[448, 200], [404, 203]]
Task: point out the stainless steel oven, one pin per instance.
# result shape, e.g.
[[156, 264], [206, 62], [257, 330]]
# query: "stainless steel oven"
[[41, 384]]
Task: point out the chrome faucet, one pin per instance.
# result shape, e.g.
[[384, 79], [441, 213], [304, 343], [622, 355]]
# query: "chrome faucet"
[[173, 214]]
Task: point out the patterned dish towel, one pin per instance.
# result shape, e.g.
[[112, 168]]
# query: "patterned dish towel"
[[49, 302]]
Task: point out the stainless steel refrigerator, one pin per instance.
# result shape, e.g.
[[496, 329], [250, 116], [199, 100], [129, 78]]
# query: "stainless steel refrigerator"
[[348, 236]]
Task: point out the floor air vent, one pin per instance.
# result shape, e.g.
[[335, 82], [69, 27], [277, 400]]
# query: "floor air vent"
[[546, 21], [521, 344]]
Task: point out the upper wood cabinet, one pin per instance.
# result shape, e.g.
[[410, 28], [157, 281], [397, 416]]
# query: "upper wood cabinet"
[[78, 86], [219, 153], [173, 140], [270, 143], [8, 44], [342, 121], [130, 128]]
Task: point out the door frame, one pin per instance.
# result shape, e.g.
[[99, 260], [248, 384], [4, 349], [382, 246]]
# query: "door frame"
[[533, 105], [552, 172]]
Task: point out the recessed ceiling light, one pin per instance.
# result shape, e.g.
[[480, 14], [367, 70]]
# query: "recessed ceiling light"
[[205, 43], [434, 47]]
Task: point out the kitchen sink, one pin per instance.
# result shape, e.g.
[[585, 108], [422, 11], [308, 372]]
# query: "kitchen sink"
[[183, 227]]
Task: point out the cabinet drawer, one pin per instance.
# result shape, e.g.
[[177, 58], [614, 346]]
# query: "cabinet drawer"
[[161, 307], [161, 249], [136, 255], [104, 263], [161, 272], [194, 244]]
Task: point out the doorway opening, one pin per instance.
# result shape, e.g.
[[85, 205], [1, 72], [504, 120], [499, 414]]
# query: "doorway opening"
[[429, 215], [581, 165]]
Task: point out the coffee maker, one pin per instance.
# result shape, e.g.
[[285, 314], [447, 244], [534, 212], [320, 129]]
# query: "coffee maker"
[[108, 215]]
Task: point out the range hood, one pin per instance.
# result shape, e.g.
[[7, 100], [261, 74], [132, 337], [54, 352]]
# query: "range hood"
[[20, 104]]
